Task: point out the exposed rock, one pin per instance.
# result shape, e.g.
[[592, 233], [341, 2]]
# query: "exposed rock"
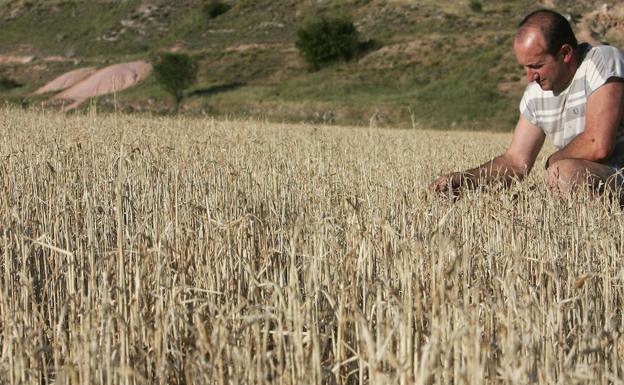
[[15, 59], [66, 80], [107, 80], [270, 24], [71, 53], [606, 24], [146, 15]]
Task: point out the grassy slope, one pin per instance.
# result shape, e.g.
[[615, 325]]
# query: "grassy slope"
[[438, 65]]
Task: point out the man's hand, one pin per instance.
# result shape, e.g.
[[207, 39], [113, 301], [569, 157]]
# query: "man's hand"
[[513, 165], [449, 184]]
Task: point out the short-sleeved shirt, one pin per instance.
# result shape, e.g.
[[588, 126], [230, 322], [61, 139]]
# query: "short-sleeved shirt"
[[562, 116]]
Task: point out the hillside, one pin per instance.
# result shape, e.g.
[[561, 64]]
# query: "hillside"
[[433, 64]]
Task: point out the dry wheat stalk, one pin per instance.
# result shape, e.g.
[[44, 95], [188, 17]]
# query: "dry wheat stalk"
[[144, 250]]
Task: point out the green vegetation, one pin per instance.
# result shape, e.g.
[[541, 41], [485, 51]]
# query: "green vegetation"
[[476, 6], [432, 64], [176, 72], [215, 8], [86, 28], [325, 40], [7, 84]]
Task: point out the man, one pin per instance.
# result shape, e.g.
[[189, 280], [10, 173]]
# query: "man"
[[575, 97]]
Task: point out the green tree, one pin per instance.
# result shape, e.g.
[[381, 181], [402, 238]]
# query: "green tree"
[[176, 72], [325, 40]]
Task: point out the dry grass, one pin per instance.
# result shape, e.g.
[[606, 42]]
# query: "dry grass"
[[176, 251]]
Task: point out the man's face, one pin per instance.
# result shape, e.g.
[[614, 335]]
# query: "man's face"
[[541, 67]]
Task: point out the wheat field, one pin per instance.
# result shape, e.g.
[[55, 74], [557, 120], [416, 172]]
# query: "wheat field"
[[151, 250]]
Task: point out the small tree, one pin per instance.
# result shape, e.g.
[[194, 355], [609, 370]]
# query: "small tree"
[[325, 40], [176, 72], [215, 8]]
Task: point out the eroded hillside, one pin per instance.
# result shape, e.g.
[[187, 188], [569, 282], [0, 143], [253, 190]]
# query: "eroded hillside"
[[433, 64]]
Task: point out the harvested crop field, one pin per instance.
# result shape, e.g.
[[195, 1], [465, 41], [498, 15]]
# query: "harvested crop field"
[[139, 250]]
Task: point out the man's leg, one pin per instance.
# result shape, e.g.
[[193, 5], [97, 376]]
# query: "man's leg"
[[569, 174]]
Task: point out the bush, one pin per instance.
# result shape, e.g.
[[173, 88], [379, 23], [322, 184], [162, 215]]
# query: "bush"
[[8, 84], [176, 72], [215, 8], [476, 6], [325, 40]]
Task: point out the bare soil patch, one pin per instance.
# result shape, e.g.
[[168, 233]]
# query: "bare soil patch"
[[16, 59], [66, 80], [106, 80]]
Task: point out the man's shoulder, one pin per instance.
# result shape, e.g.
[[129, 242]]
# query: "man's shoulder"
[[533, 91], [602, 52], [601, 63]]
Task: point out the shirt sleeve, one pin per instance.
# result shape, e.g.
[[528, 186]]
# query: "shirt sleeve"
[[604, 62], [525, 108]]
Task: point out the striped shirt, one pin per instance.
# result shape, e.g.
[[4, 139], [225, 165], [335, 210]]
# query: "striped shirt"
[[562, 116]]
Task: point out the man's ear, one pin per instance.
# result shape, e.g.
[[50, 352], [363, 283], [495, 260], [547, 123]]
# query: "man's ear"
[[567, 53]]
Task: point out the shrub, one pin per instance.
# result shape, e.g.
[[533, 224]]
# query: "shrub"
[[325, 40], [476, 6], [7, 83], [215, 8], [176, 72]]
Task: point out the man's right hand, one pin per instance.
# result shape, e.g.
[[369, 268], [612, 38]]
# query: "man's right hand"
[[448, 184]]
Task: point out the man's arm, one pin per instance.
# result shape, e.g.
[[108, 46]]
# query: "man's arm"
[[515, 163], [603, 114]]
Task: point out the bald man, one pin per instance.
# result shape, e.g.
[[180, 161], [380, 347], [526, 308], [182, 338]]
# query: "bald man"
[[575, 97]]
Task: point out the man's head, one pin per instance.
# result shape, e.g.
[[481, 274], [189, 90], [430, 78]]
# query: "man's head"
[[545, 46]]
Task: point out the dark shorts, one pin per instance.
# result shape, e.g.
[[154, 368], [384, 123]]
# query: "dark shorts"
[[616, 163]]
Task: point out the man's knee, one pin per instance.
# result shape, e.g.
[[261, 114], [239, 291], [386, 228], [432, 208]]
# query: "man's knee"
[[567, 174]]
